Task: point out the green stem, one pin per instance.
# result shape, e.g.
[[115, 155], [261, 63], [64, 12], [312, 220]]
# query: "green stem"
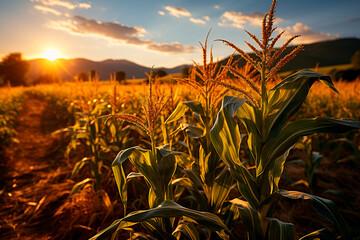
[[207, 119], [153, 150], [264, 97]]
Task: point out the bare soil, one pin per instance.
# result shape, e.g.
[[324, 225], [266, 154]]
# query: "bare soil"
[[33, 175]]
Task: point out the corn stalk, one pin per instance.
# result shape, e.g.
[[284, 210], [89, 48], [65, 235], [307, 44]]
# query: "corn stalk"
[[271, 136]]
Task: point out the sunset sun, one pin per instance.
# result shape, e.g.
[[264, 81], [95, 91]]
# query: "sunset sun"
[[51, 54]]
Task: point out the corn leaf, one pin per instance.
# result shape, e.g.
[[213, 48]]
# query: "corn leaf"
[[119, 173], [142, 236], [80, 164], [280, 230], [79, 185], [192, 131], [107, 232], [225, 134], [325, 207], [166, 170], [220, 190], [250, 118], [230, 214], [177, 113], [206, 174], [319, 234], [250, 218], [181, 109], [134, 175], [182, 159], [196, 107], [194, 177], [303, 127], [82, 135], [286, 98], [156, 227], [141, 160], [153, 200], [269, 180], [226, 139], [120, 178], [247, 185], [188, 229], [197, 192], [169, 209]]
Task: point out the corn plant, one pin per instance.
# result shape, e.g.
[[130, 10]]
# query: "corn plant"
[[312, 161], [89, 129], [157, 166], [266, 116], [341, 144], [208, 182], [10, 105]]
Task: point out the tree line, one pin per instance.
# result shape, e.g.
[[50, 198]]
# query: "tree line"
[[14, 72]]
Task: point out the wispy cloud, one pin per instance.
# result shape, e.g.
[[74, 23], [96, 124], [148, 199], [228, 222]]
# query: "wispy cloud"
[[182, 12], [217, 6], [84, 5], [118, 32], [354, 19], [239, 20], [177, 12], [46, 10], [161, 13], [307, 35], [173, 48], [62, 3], [197, 20]]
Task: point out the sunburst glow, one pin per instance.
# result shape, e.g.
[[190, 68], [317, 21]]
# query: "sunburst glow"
[[51, 54]]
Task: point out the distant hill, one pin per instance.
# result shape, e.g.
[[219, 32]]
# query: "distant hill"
[[326, 53], [66, 69]]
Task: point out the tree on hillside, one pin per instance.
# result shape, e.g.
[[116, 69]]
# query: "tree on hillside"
[[185, 72], [14, 69], [45, 78], [93, 75], [160, 73], [82, 76], [120, 76], [355, 60]]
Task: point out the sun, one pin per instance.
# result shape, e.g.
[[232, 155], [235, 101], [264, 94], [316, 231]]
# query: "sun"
[[51, 54]]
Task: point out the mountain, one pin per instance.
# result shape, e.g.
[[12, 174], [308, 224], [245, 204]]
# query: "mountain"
[[66, 69], [327, 53]]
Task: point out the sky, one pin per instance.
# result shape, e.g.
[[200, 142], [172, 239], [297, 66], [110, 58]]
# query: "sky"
[[162, 33]]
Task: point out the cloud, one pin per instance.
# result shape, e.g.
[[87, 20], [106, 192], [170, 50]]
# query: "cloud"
[[238, 19], [173, 48], [46, 10], [84, 5], [118, 32], [217, 6], [62, 3], [177, 12], [307, 35], [197, 20], [182, 12], [354, 19]]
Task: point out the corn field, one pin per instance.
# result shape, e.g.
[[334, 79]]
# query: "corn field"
[[251, 156]]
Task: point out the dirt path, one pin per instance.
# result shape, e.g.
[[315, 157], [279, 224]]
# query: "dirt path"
[[34, 175]]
